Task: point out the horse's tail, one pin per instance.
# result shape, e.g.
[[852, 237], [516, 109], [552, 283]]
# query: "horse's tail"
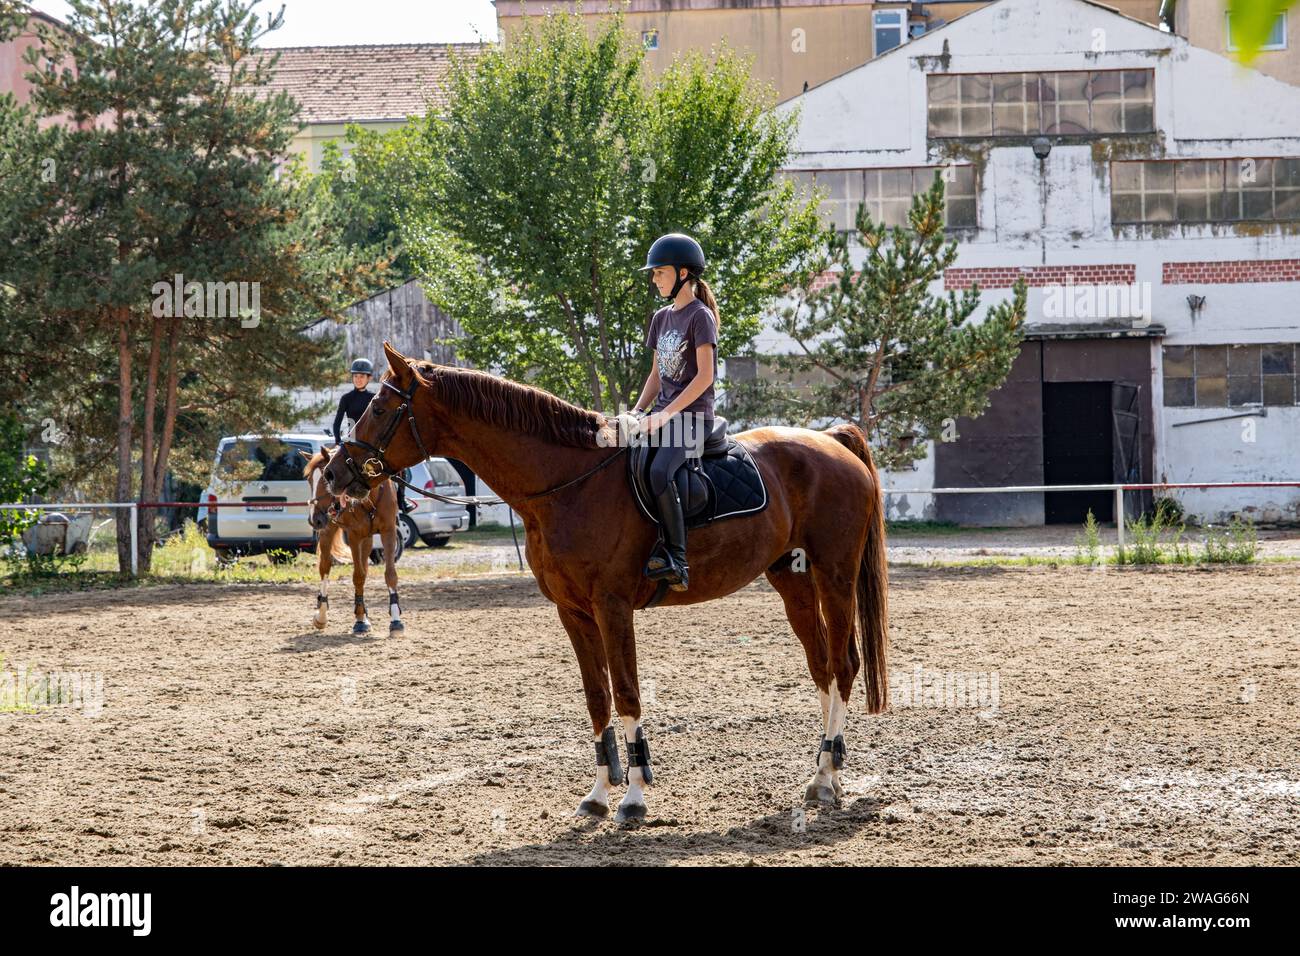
[[339, 549], [873, 580]]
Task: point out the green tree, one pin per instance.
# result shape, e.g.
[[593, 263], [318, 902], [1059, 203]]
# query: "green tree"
[[22, 477], [374, 189], [557, 163], [166, 158], [878, 348]]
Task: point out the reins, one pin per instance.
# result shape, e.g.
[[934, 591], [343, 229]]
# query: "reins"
[[480, 500], [377, 466]]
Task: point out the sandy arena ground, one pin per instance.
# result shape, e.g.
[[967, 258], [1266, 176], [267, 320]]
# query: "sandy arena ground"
[[1140, 717]]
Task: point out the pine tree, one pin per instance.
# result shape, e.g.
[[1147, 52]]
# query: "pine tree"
[[877, 347], [163, 156]]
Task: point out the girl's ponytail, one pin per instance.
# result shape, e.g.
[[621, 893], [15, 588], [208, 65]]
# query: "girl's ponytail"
[[705, 295]]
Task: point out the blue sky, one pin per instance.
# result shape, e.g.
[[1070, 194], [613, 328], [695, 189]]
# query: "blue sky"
[[334, 22]]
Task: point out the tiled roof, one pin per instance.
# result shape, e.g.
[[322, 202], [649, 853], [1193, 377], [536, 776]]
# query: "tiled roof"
[[338, 84]]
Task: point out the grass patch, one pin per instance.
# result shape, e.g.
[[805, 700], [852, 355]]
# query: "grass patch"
[[1235, 544], [1087, 547], [489, 529], [1155, 540]]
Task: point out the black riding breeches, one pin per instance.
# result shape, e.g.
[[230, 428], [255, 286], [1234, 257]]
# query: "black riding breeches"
[[681, 437]]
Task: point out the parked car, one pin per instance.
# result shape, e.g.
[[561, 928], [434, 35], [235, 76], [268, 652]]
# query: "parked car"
[[433, 522], [263, 473]]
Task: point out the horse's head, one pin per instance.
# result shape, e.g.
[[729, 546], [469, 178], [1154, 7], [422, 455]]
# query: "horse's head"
[[323, 504], [388, 437]]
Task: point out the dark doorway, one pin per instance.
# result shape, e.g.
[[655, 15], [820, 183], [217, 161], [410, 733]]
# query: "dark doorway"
[[1078, 449]]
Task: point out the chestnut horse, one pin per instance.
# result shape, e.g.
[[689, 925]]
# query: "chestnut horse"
[[375, 512], [820, 541]]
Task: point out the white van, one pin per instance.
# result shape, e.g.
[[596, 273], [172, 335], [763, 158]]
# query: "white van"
[[263, 473], [433, 521]]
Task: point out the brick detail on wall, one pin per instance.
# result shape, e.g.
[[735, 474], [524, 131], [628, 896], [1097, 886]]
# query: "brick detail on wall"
[[824, 279], [1004, 277], [1223, 273]]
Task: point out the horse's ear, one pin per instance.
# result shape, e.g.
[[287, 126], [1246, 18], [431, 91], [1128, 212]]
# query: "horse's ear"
[[399, 365]]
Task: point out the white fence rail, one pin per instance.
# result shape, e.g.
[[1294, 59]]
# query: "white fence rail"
[[1118, 490]]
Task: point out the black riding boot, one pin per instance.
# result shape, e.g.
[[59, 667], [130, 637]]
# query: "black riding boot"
[[670, 563], [403, 506]]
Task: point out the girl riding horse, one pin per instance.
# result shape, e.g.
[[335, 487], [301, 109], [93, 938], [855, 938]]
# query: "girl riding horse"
[[678, 392]]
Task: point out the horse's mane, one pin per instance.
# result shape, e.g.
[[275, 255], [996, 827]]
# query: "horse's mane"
[[510, 405]]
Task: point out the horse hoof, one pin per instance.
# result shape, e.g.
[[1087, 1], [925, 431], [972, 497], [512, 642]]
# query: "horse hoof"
[[839, 787], [817, 796], [591, 808], [319, 624], [361, 627], [396, 629], [631, 813]]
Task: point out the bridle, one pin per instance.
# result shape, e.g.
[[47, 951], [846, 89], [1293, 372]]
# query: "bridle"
[[336, 510], [375, 466]]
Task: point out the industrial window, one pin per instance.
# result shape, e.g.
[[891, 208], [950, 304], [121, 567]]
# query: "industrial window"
[[1077, 103], [887, 194], [1276, 37], [888, 28], [1223, 376], [1209, 190]]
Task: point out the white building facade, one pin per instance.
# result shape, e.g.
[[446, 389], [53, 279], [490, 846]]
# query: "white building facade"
[[1159, 237]]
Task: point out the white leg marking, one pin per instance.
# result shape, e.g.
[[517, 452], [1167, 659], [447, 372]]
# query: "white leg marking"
[[321, 610], [600, 792], [827, 775]]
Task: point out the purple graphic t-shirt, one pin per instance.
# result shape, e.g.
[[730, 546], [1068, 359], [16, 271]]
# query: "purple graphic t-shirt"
[[675, 334]]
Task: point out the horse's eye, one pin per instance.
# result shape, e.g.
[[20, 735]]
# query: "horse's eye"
[[377, 409]]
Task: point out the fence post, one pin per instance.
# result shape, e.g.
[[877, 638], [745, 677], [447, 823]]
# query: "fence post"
[[1119, 513], [135, 540]]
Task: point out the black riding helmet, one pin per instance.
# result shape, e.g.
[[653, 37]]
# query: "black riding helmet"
[[679, 251], [363, 366]]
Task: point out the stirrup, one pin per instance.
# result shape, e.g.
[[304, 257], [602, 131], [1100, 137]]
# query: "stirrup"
[[672, 571], [663, 564]]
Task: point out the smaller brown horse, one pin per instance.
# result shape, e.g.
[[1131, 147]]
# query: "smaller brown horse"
[[361, 518]]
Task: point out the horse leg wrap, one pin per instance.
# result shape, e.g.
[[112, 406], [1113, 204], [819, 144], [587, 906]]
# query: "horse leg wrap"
[[359, 605], [607, 755], [322, 599], [393, 605], [638, 755], [835, 748]]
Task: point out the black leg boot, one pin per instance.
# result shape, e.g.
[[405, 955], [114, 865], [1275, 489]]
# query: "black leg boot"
[[403, 506], [672, 565]]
